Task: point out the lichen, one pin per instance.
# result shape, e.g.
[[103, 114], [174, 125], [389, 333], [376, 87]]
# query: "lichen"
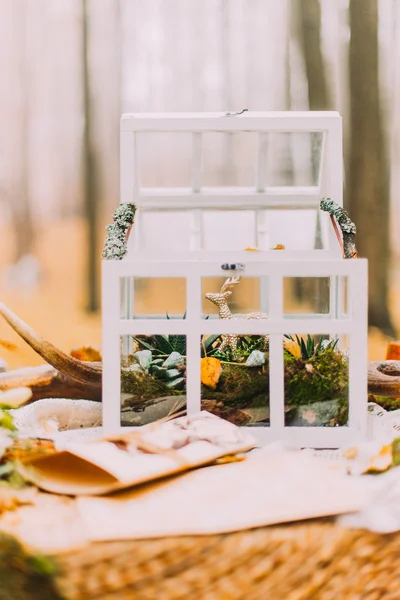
[[115, 245], [340, 215]]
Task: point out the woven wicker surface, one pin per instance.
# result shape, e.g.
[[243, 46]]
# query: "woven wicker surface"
[[312, 561]]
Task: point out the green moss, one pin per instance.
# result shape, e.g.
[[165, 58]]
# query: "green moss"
[[323, 377], [386, 402], [319, 384], [143, 386], [240, 386]]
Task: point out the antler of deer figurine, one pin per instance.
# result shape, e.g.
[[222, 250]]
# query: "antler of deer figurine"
[[220, 299]]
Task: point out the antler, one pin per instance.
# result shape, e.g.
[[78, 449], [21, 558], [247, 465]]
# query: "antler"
[[230, 282], [84, 372]]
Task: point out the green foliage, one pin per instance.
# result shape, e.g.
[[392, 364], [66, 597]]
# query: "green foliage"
[[164, 345], [309, 348], [9, 476], [396, 452], [6, 419], [246, 345]]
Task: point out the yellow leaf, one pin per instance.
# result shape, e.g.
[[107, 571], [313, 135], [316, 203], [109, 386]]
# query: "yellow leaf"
[[211, 370], [382, 460], [293, 347]]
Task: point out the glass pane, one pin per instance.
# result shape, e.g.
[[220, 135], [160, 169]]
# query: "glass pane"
[[306, 295], [292, 159], [165, 231], [229, 159], [153, 377], [229, 229], [164, 159], [316, 380], [224, 296], [315, 295], [235, 378], [292, 230], [155, 297]]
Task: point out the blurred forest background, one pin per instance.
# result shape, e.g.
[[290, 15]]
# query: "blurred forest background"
[[69, 68]]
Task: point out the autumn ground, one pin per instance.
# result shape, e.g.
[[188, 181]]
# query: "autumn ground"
[[56, 307]]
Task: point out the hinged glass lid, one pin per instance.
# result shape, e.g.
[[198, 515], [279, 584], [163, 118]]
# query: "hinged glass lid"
[[214, 182]]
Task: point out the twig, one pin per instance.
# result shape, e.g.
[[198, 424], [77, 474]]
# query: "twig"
[[346, 225]]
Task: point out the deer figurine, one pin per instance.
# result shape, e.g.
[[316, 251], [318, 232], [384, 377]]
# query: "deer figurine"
[[220, 299]]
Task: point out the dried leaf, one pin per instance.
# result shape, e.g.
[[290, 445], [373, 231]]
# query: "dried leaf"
[[229, 459], [87, 353], [382, 460], [211, 370], [250, 249], [8, 345], [369, 457], [10, 498]]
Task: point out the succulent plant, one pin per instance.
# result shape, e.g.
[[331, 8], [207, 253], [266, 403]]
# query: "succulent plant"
[[309, 348]]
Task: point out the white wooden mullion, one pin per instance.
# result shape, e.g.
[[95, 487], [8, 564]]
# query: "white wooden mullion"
[[200, 122], [261, 173], [333, 296], [127, 162], [358, 299], [275, 302], [322, 164], [196, 162], [261, 230], [240, 326], [334, 175], [137, 232], [193, 347], [276, 385], [257, 264], [276, 365], [111, 350], [196, 233], [280, 191]]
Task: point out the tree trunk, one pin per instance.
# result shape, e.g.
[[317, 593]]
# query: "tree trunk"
[[20, 201], [309, 26], [90, 176], [368, 198], [310, 37]]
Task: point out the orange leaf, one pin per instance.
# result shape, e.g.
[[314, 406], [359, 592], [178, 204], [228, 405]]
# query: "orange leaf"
[[87, 353], [293, 347], [211, 370], [8, 345]]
